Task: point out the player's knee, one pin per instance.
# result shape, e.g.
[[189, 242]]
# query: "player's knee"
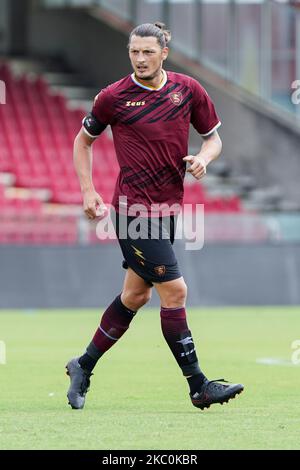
[[136, 299], [175, 296], [144, 297], [179, 297]]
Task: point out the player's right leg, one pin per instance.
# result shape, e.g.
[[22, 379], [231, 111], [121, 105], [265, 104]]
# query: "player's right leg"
[[114, 323], [203, 392]]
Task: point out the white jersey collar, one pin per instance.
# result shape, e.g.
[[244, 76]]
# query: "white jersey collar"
[[165, 79]]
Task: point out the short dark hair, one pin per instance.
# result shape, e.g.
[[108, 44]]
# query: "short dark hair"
[[156, 30]]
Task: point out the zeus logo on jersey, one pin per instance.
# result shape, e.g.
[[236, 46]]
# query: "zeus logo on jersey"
[[135, 103]]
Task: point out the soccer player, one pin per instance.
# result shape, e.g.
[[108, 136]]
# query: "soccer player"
[[149, 112]]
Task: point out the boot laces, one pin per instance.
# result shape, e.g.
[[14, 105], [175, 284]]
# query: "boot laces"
[[215, 383]]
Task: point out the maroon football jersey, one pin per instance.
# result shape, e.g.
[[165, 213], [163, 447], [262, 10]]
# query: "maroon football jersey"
[[150, 131]]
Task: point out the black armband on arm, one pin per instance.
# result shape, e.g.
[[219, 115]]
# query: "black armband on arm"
[[92, 126]]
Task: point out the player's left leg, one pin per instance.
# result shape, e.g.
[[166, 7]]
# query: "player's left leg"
[[114, 323], [179, 338]]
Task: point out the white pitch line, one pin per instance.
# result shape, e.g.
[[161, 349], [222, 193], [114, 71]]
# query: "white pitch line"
[[275, 361]]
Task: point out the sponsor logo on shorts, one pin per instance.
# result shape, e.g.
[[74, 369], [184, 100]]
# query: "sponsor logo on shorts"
[[160, 270], [138, 252]]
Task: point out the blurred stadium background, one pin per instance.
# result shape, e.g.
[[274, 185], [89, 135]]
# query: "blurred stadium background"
[[55, 55]]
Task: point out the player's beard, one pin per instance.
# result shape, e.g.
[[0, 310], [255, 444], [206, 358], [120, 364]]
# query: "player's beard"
[[148, 77]]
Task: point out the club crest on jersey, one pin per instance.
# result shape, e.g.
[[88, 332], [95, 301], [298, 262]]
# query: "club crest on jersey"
[[176, 98]]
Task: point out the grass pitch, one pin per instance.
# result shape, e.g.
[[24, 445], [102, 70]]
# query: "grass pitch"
[[138, 397]]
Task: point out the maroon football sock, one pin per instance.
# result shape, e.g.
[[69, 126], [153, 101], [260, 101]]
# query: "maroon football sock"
[[179, 338], [114, 323]]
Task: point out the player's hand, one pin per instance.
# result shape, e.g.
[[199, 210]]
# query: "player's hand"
[[93, 204], [197, 165]]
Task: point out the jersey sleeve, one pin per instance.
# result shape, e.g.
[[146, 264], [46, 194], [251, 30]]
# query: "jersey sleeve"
[[100, 116], [203, 117]]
